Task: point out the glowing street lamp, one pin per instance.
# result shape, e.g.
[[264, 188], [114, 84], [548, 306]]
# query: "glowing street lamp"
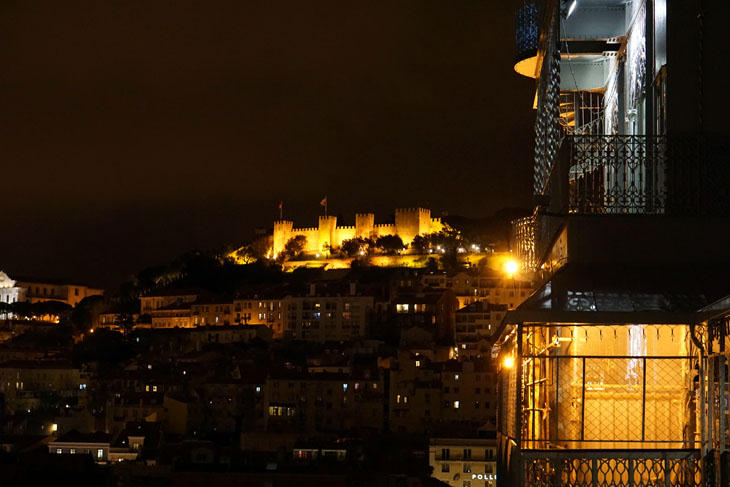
[[511, 267], [509, 362]]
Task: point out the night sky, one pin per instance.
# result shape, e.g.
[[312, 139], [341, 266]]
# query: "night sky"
[[132, 131]]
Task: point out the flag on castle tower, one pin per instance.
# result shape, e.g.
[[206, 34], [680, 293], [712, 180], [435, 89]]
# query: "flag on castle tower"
[[281, 205], [323, 202]]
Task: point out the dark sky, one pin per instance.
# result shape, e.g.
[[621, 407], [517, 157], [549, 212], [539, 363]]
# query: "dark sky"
[[131, 131]]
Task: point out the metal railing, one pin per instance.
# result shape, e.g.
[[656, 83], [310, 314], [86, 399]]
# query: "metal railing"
[[608, 468], [643, 175]]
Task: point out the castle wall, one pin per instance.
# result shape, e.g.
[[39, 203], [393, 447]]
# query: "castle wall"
[[342, 234], [384, 229], [364, 225], [327, 231], [409, 222], [436, 225], [282, 234], [312, 236]]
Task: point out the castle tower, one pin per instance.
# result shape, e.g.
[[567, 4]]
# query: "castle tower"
[[282, 234], [327, 225], [410, 222], [364, 225]]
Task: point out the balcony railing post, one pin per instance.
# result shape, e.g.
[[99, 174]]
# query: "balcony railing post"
[[594, 471], [643, 400]]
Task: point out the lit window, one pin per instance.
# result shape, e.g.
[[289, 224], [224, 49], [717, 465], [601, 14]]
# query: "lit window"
[[100, 453], [59, 451], [456, 376], [344, 387], [397, 398], [401, 308], [258, 388], [72, 451], [456, 404], [418, 363], [82, 387]]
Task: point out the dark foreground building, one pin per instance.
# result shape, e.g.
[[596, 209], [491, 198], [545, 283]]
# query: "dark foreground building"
[[614, 371]]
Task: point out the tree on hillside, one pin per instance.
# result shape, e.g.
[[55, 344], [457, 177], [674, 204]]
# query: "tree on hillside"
[[390, 244], [421, 243], [245, 255], [432, 265], [295, 247], [356, 246]]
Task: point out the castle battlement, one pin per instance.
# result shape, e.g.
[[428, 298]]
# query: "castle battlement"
[[409, 222], [411, 210]]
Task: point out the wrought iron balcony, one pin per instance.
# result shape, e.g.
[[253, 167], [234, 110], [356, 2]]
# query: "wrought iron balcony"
[[626, 175], [592, 468], [640, 175]]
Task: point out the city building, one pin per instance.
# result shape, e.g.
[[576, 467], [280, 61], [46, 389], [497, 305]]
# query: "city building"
[[425, 394], [323, 316], [477, 327], [35, 290], [483, 285], [611, 372], [409, 222], [31, 384], [464, 461], [323, 402], [260, 310]]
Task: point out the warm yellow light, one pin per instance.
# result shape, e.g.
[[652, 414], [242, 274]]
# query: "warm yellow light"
[[511, 267], [54, 427], [508, 362]]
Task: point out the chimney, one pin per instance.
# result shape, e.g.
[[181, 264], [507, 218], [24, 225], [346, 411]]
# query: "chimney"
[[353, 288]]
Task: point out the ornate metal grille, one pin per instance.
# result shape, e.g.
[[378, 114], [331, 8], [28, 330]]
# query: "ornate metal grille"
[[547, 124], [635, 174], [617, 174], [587, 468]]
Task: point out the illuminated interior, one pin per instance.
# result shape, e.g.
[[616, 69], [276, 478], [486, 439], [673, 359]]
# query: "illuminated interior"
[[607, 387]]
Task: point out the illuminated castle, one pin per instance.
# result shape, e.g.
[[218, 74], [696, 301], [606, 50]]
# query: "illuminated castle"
[[409, 222]]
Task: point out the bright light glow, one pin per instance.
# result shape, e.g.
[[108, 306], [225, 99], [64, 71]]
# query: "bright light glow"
[[91, 331], [509, 362], [54, 427], [511, 267], [571, 8]]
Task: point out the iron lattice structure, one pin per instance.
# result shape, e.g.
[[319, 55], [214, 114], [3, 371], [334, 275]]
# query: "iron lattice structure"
[[523, 241], [527, 30], [548, 131]]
